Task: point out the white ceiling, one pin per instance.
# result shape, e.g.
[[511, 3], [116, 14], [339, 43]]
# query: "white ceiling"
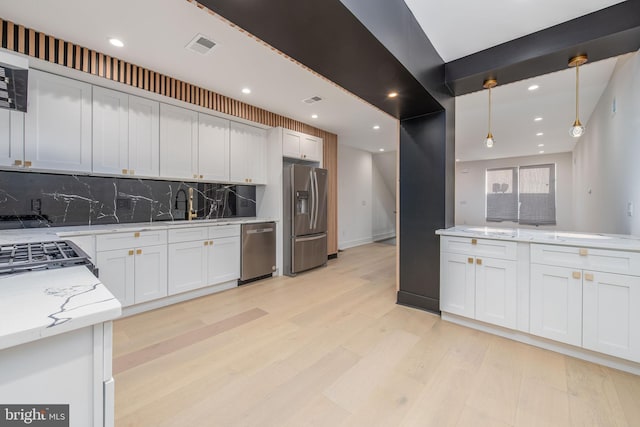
[[514, 109], [458, 28], [155, 33], [156, 40]]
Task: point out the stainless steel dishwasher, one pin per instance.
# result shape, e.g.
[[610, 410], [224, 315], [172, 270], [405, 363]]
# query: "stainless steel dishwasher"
[[258, 250]]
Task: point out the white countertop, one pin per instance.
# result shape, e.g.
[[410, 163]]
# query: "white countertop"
[[565, 238], [24, 235], [40, 304]]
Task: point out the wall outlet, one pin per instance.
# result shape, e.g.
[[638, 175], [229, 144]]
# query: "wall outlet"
[[364, 203]]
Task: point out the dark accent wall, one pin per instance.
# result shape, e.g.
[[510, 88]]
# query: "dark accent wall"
[[423, 164], [29, 200]]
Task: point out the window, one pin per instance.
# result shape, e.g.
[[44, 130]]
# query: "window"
[[526, 195]]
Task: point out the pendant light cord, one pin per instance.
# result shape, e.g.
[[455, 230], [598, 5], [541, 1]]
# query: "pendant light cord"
[[577, 91], [489, 110]]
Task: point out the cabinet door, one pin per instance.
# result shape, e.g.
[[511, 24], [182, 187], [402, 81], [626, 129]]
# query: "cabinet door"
[[150, 273], [58, 123], [213, 148], [187, 266], [117, 273], [556, 303], [224, 260], [291, 144], [144, 137], [110, 131], [248, 150], [496, 295], [178, 142], [611, 316], [311, 148], [11, 138], [457, 284]]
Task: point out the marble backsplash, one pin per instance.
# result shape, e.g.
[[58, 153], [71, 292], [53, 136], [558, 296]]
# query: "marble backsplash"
[[29, 200]]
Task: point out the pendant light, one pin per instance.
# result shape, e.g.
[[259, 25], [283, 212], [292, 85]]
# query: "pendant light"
[[488, 84], [577, 129]]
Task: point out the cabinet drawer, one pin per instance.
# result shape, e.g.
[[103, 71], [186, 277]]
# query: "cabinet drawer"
[[224, 231], [131, 239], [188, 234], [479, 247], [587, 259]]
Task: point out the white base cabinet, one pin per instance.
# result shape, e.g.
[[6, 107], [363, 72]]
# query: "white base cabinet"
[[611, 314], [187, 266], [224, 260], [556, 303], [133, 266], [479, 287]]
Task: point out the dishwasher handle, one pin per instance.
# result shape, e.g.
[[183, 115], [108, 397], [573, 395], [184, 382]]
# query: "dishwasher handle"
[[260, 230]]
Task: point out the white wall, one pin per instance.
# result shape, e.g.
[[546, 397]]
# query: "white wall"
[[366, 196], [470, 189], [607, 157], [354, 197], [383, 202]]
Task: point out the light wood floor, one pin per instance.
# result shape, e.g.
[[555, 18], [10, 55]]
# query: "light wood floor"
[[331, 348]]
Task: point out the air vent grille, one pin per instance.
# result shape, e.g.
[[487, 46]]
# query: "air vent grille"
[[201, 44], [312, 100]]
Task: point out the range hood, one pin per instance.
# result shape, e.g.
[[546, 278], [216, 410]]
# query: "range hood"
[[13, 82]]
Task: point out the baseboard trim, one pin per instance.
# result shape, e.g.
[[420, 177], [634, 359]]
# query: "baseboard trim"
[[418, 301], [354, 243], [384, 236], [558, 347], [174, 299]]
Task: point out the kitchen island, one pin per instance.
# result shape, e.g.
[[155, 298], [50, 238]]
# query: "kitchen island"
[[575, 293], [56, 342]]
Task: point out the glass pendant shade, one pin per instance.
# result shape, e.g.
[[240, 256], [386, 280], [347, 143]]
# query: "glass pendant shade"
[[577, 129], [489, 141]]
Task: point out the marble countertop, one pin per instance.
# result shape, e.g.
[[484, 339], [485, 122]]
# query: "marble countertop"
[[565, 238], [24, 235], [39, 304]]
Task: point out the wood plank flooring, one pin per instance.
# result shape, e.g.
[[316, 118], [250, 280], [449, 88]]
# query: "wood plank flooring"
[[331, 348]]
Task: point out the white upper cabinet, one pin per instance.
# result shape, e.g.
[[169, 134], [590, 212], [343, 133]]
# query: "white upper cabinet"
[[110, 131], [298, 145], [58, 123], [144, 137], [125, 134], [213, 148], [11, 138], [248, 150], [178, 142]]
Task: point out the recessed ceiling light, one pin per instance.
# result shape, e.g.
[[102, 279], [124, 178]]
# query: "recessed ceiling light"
[[116, 42], [533, 87], [376, 127], [314, 116], [246, 90], [541, 152], [540, 145], [381, 149], [392, 94], [457, 160], [537, 119], [539, 134]]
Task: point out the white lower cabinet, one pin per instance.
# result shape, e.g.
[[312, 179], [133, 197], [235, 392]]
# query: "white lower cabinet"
[[203, 256], [611, 314], [479, 287], [458, 284], [133, 266], [556, 303], [496, 292]]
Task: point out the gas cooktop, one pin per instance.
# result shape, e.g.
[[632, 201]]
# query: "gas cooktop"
[[20, 257]]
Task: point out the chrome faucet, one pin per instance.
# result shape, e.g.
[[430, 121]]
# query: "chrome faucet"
[[191, 214]]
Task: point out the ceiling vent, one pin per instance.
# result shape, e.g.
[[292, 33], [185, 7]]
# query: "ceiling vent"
[[312, 100], [201, 44]]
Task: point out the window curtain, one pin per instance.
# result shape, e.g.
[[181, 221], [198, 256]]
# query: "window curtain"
[[502, 195], [537, 195]]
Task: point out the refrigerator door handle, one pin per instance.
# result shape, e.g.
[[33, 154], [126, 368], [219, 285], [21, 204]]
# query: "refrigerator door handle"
[[316, 197], [308, 239], [313, 200]]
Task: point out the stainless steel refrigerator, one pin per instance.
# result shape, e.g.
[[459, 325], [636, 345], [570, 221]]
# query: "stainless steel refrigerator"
[[305, 217]]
